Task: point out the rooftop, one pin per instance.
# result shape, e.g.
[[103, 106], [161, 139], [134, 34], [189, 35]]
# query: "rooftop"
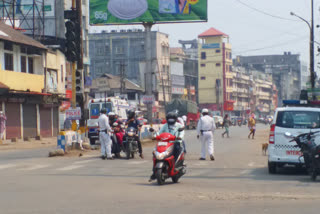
[[212, 32]]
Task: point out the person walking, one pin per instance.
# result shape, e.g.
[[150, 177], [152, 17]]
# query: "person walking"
[[252, 126], [3, 119], [226, 125], [104, 137], [205, 129]]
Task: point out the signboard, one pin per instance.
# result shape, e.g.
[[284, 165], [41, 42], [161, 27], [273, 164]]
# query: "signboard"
[[25, 8], [211, 46], [177, 90], [73, 114], [148, 99], [107, 12]]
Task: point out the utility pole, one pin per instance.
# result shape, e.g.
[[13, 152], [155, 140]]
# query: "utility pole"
[[122, 78], [148, 79]]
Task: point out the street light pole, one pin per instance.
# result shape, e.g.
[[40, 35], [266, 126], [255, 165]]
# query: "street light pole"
[[311, 46]]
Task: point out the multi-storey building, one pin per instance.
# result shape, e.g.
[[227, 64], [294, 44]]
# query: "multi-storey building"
[[215, 76], [285, 70], [31, 80], [123, 53]]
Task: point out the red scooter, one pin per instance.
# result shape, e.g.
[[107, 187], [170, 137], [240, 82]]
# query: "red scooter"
[[164, 164]]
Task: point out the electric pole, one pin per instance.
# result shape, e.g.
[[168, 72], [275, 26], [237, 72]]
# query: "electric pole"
[[122, 78]]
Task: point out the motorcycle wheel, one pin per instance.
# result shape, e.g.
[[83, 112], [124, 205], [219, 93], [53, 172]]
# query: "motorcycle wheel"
[[314, 175], [175, 179], [160, 178], [128, 149], [132, 155]]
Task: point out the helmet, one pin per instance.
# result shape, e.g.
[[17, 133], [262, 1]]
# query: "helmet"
[[131, 114], [171, 118], [103, 111], [204, 111]]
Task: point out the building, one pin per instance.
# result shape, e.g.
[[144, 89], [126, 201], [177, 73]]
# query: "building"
[[177, 78], [285, 70], [215, 76], [122, 53], [30, 109], [110, 86]]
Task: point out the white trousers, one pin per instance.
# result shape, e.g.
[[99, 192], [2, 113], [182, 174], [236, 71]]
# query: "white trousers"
[[207, 143], [105, 142]]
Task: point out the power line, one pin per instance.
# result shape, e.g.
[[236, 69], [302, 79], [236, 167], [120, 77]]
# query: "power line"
[[265, 13]]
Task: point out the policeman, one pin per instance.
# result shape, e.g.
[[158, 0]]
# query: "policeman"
[[205, 129], [104, 137]]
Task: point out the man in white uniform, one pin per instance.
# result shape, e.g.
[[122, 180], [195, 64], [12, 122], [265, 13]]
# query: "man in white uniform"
[[104, 137], [205, 130]]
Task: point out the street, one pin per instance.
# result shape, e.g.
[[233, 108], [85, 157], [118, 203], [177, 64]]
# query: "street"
[[236, 182]]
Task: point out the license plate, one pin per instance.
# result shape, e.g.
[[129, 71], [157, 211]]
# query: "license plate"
[[291, 152], [162, 144]]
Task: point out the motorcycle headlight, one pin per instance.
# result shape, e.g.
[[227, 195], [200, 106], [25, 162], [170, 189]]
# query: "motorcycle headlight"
[[131, 134], [161, 156]]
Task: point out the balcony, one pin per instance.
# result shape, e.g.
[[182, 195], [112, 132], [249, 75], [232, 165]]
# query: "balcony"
[[22, 81]]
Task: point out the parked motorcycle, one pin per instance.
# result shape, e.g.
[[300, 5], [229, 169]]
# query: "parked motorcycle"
[[310, 152], [164, 164], [130, 142]]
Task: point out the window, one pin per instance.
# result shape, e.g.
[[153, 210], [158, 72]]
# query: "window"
[[203, 65], [218, 64], [131, 96], [203, 78], [8, 61], [218, 51], [298, 119], [230, 67], [30, 65], [8, 46], [119, 50], [23, 64], [203, 55]]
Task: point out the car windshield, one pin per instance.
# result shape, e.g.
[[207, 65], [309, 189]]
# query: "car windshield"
[[298, 119]]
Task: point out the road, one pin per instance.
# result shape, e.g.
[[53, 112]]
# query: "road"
[[236, 182]]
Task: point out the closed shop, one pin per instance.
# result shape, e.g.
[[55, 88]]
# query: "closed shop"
[[13, 122], [55, 121], [29, 120], [45, 122]]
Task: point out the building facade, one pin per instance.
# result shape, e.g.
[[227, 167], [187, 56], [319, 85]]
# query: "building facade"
[[215, 71]]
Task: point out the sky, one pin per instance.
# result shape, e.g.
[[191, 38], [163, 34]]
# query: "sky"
[[255, 27]]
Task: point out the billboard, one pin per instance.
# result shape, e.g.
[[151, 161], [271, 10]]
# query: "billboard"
[[108, 12]]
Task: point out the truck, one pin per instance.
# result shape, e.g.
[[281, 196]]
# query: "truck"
[[111, 104], [187, 108]]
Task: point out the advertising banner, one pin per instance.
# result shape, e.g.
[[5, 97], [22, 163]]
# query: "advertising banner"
[[108, 12], [148, 99], [73, 114]]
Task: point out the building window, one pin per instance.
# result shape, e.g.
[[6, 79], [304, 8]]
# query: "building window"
[[8, 61], [218, 51], [131, 96], [8, 46], [203, 55], [23, 64], [30, 65], [203, 78], [230, 67], [203, 65], [218, 64]]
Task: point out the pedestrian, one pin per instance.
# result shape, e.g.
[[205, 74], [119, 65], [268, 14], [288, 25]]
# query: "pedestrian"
[[104, 135], [226, 125], [252, 126], [205, 129], [3, 119]]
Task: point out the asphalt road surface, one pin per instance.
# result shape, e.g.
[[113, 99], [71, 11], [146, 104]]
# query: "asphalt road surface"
[[236, 182]]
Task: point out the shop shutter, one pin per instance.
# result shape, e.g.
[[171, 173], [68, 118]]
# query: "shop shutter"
[[13, 123], [45, 122], [29, 120], [55, 121]]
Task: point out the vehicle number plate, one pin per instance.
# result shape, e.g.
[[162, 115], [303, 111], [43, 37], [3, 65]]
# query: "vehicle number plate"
[[162, 144], [292, 152]]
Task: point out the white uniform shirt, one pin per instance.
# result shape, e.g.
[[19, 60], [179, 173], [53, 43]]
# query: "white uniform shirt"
[[103, 122], [184, 117], [180, 120], [206, 123]]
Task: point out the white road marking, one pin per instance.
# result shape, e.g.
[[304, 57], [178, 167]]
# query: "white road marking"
[[6, 166], [246, 171], [83, 161], [70, 167], [136, 162], [35, 167], [251, 164]]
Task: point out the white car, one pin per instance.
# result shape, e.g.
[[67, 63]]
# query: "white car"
[[295, 120]]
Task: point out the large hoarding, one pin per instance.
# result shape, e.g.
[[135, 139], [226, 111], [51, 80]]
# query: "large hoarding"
[[108, 12]]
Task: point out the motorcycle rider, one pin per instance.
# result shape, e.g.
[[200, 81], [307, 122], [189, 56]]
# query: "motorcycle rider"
[[206, 127], [134, 122], [181, 121], [172, 127], [104, 135]]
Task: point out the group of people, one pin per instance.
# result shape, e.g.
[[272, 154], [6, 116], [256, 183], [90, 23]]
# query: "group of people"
[[110, 124]]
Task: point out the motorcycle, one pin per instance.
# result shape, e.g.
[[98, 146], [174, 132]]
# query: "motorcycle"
[[115, 148], [164, 164], [310, 151], [130, 142]]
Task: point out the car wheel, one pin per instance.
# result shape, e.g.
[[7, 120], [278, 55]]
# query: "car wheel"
[[272, 168]]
